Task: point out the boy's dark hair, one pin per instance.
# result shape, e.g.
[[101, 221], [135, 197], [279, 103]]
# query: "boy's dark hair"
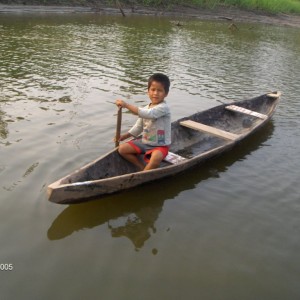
[[162, 78]]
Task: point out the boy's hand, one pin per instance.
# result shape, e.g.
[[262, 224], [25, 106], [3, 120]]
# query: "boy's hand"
[[120, 103], [123, 137]]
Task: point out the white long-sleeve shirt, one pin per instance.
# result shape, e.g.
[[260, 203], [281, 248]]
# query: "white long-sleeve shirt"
[[155, 125]]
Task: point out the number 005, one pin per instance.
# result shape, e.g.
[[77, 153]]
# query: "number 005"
[[6, 267]]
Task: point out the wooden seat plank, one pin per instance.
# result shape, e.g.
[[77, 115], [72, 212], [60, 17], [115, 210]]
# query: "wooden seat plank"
[[246, 111], [209, 129]]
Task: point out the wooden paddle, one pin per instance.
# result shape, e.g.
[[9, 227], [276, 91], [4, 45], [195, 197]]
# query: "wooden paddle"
[[119, 122]]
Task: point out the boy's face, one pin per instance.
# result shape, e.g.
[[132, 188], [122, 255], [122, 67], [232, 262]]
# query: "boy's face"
[[156, 92]]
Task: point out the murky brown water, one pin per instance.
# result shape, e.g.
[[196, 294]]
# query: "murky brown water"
[[226, 230]]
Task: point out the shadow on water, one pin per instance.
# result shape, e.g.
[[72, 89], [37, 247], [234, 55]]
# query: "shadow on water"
[[133, 213]]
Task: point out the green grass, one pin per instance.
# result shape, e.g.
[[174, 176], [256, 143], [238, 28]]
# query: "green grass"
[[275, 6], [287, 6]]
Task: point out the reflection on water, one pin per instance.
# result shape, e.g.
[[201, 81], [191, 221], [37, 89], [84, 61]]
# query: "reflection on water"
[[133, 213], [131, 218]]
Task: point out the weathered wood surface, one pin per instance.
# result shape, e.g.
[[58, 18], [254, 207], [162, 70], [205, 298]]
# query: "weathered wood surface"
[[246, 111], [274, 94], [118, 128], [110, 173], [212, 130]]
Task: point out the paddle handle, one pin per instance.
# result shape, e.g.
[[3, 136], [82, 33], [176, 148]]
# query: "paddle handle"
[[119, 122]]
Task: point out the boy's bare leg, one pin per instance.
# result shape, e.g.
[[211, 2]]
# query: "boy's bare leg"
[[130, 154], [155, 160]]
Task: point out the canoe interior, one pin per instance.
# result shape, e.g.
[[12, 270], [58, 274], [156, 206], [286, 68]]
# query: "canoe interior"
[[185, 141]]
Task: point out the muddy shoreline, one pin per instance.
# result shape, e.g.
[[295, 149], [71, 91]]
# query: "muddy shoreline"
[[230, 14]]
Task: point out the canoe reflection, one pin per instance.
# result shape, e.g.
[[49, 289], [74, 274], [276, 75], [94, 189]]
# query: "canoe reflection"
[[130, 214]]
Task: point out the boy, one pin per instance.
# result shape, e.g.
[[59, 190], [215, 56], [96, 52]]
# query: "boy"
[[154, 123]]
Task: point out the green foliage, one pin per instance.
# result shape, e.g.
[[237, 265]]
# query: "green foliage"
[[288, 6]]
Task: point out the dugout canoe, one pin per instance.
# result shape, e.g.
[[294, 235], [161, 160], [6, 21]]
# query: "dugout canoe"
[[195, 139]]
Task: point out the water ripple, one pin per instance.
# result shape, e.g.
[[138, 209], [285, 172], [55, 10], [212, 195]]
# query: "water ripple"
[[236, 218]]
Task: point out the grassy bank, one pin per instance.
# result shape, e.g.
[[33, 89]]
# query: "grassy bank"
[[274, 6], [285, 6]]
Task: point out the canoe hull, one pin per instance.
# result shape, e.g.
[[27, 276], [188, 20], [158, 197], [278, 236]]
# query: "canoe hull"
[[83, 191]]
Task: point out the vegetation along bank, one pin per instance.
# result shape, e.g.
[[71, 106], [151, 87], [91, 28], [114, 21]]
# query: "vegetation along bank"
[[271, 6]]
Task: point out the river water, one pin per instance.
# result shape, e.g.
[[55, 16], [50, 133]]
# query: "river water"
[[225, 230]]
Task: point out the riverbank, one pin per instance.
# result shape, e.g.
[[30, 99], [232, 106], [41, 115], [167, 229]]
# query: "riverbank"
[[232, 14]]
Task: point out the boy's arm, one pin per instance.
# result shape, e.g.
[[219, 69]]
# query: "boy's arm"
[[124, 136], [134, 109], [155, 112], [137, 129], [152, 113]]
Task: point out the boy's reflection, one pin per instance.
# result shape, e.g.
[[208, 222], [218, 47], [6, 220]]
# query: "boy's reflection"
[[139, 226]]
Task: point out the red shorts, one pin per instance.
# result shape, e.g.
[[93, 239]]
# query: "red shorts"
[[142, 148]]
